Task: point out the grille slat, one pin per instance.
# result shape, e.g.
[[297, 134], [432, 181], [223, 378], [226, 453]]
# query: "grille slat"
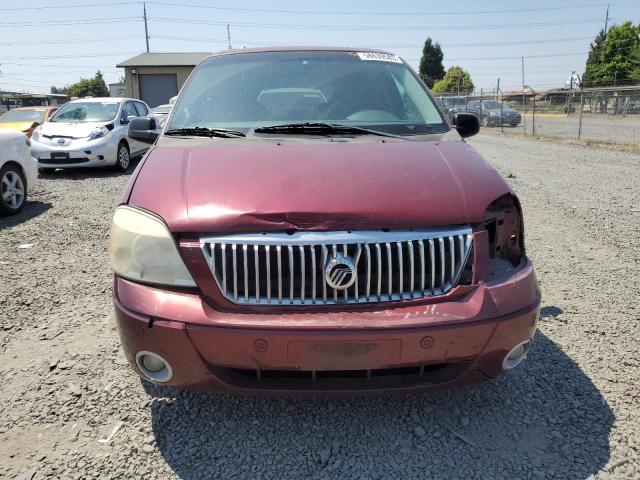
[[234, 249], [389, 266], [267, 262]]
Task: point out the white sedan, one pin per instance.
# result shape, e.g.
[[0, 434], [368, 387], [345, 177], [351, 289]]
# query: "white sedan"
[[18, 171], [90, 132]]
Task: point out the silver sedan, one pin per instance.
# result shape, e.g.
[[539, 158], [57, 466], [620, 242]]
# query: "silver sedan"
[[91, 132]]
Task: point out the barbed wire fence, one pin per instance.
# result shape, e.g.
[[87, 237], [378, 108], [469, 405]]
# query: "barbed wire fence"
[[603, 114]]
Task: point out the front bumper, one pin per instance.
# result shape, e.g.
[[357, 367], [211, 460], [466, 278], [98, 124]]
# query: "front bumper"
[[462, 339], [81, 152], [506, 120]]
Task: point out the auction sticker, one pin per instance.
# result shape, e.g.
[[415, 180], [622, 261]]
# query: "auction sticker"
[[379, 57]]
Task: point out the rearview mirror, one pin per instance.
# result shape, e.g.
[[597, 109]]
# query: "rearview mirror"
[[466, 124], [143, 129]]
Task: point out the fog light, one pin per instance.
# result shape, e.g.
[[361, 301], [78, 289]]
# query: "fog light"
[[154, 367], [153, 364], [516, 355]]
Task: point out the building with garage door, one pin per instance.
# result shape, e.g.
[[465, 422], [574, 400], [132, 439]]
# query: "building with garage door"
[[156, 77]]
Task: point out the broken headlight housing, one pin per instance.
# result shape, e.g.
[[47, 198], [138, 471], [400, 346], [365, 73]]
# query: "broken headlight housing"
[[503, 222]]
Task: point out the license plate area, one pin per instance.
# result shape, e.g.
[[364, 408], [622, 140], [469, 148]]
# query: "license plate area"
[[344, 355], [59, 155]]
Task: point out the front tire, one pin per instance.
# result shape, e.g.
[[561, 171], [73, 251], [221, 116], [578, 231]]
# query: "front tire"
[[123, 158], [13, 190], [485, 122]]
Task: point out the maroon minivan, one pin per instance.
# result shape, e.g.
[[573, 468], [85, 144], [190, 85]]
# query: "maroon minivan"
[[309, 220]]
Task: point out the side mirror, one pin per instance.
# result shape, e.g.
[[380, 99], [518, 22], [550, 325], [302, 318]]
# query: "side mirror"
[[143, 129], [125, 121], [466, 124]]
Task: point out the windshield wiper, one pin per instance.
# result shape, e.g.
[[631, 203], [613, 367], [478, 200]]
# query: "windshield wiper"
[[312, 128], [205, 132]]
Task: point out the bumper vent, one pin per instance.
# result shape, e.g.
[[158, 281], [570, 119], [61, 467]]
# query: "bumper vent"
[[367, 266]]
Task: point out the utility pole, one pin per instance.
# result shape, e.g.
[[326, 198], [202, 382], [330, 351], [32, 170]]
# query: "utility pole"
[[229, 36], [524, 121], [606, 20], [146, 30]]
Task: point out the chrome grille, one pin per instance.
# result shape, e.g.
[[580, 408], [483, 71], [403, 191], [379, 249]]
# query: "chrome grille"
[[288, 269]]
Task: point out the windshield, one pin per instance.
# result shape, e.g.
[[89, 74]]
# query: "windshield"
[[80, 112], [250, 90], [492, 105], [26, 115]]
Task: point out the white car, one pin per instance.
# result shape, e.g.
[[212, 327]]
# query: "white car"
[[161, 112], [90, 132], [18, 171]]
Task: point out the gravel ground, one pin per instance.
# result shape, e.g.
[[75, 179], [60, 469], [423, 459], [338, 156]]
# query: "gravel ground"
[[71, 408]]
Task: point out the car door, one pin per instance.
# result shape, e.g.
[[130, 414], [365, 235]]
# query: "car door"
[[129, 110]]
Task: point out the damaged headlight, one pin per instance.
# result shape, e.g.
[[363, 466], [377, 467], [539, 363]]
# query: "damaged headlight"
[[141, 248], [503, 222]]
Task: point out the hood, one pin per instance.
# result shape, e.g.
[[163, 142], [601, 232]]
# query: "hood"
[[18, 126], [73, 130], [504, 110], [317, 186]]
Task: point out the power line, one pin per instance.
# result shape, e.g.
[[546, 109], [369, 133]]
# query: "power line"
[[82, 21], [318, 12], [59, 7], [550, 55], [70, 41], [377, 27], [88, 55], [387, 45], [42, 65], [368, 13]]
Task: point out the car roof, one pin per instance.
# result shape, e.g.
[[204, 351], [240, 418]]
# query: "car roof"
[[296, 48], [104, 100]]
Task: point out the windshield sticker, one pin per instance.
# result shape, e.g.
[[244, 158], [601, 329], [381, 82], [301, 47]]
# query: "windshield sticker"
[[379, 57]]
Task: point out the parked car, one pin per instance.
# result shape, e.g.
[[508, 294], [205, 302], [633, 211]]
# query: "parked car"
[[26, 119], [90, 132], [454, 104], [161, 112], [493, 113], [348, 241], [18, 171]]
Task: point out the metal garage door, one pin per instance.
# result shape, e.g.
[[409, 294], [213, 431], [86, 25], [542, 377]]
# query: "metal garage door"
[[157, 89]]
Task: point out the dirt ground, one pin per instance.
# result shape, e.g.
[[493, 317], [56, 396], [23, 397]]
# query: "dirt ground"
[[70, 407]]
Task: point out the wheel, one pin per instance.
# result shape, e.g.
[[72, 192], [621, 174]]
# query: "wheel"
[[13, 189], [485, 122], [123, 158]]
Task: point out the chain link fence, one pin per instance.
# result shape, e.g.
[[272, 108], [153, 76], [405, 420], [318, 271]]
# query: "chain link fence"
[[607, 115]]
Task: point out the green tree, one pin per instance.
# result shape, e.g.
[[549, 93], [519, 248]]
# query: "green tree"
[[614, 57], [94, 87], [431, 69], [455, 80], [61, 90]]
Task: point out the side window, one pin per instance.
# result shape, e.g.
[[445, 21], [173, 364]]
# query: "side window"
[[129, 110], [143, 111]]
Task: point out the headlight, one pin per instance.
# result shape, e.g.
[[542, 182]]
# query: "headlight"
[[494, 114], [98, 133], [141, 248], [36, 134]]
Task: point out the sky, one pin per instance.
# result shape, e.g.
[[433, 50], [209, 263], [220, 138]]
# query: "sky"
[[55, 42]]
